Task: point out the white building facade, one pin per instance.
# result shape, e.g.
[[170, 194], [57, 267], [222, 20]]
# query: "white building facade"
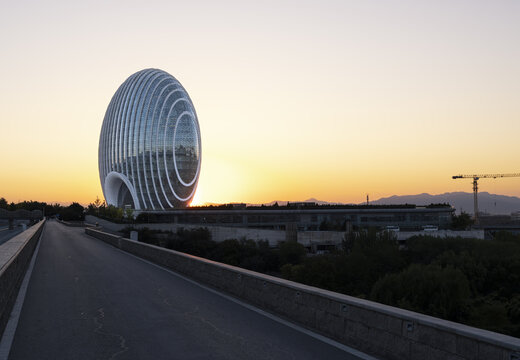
[[150, 145]]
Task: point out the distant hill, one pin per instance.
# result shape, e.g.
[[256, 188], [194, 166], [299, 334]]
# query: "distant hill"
[[320, 202], [311, 200], [490, 203], [462, 201]]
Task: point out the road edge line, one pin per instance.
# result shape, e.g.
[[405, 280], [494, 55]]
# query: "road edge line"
[[273, 317]]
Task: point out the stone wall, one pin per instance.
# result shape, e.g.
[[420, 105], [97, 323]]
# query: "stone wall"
[[377, 329], [15, 256]]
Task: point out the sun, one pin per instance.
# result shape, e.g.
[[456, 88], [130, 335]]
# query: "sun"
[[197, 198]]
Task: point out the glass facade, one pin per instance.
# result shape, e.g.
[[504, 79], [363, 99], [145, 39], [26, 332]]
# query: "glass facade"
[[149, 147]]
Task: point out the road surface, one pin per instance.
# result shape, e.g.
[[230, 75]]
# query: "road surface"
[[88, 300]]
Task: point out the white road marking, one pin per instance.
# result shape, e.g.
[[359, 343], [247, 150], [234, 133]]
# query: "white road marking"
[[303, 330]]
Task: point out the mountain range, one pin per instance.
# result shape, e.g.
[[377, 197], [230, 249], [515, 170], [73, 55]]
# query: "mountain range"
[[462, 201]]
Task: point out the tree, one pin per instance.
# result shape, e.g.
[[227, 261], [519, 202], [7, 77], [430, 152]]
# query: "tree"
[[146, 218], [430, 289], [52, 209], [97, 202], [72, 212], [461, 222], [129, 213], [291, 252], [3, 203], [228, 252], [506, 236]]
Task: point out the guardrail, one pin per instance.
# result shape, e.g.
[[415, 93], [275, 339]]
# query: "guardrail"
[[15, 256], [374, 328]]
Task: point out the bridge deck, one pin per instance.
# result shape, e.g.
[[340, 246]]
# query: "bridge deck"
[[88, 300]]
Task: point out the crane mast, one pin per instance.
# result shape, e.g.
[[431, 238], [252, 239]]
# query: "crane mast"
[[475, 178]]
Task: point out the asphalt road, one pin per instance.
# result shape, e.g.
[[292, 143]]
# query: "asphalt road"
[[88, 300], [6, 234]]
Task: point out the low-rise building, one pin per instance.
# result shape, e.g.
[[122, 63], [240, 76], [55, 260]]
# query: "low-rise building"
[[309, 218]]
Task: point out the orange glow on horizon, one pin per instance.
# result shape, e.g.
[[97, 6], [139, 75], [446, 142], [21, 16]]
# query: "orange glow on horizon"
[[196, 201], [330, 100]]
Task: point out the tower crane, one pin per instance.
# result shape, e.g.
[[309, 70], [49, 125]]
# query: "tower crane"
[[475, 178]]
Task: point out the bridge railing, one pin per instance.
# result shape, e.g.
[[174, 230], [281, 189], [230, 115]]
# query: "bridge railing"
[[374, 328], [15, 256]]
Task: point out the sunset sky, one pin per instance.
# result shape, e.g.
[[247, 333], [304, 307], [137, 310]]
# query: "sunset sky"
[[295, 99]]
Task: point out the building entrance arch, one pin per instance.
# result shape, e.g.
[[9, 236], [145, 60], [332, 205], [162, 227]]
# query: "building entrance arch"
[[120, 192]]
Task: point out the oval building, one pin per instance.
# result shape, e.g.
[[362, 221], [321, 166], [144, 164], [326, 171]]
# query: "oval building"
[[150, 147]]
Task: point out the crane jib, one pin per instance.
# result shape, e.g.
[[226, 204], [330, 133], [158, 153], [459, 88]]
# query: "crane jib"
[[475, 178]]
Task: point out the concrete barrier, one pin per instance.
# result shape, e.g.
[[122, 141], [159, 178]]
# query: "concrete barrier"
[[15, 256], [377, 329], [72, 224]]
